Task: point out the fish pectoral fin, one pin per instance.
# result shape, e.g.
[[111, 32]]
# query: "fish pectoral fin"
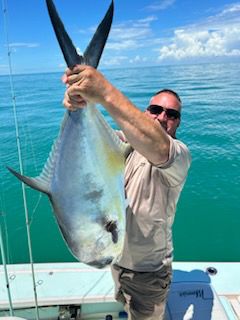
[[35, 183], [111, 226]]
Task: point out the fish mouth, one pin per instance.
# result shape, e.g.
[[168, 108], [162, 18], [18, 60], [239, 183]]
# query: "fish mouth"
[[102, 263]]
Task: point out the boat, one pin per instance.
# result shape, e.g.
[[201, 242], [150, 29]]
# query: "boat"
[[199, 291]]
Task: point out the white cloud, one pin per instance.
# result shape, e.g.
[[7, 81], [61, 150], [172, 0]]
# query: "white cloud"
[[84, 31], [217, 36], [79, 51], [160, 5], [126, 44], [23, 45], [131, 35], [114, 61], [138, 59], [134, 32], [233, 8], [145, 22]]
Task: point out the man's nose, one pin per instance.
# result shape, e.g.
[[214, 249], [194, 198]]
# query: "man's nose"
[[162, 116]]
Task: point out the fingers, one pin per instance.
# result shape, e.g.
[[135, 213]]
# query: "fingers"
[[77, 68], [74, 72], [64, 78], [72, 99], [73, 102], [82, 85], [71, 106], [78, 73]]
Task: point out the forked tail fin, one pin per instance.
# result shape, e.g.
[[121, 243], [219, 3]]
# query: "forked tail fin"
[[95, 48]]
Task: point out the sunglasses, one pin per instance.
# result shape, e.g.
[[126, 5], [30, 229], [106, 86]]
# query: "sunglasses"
[[170, 113]]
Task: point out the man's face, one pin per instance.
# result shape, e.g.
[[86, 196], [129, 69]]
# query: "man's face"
[[167, 101]]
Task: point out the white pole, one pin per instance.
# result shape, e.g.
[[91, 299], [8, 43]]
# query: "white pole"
[[5, 272], [20, 160]]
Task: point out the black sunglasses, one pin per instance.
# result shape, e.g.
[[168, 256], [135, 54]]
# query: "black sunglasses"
[[170, 113]]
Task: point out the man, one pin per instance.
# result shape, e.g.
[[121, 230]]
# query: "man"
[[155, 173]]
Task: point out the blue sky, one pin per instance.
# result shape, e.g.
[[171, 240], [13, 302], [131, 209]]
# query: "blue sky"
[[144, 32]]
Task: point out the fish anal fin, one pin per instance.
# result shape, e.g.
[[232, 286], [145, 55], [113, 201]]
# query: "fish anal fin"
[[35, 183]]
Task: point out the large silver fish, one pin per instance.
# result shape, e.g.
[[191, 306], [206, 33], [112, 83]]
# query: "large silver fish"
[[83, 176]]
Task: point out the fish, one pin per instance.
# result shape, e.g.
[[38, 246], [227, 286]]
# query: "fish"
[[84, 173]]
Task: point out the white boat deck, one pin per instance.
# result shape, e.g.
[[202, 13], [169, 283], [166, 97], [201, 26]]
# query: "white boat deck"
[[63, 283], [77, 284]]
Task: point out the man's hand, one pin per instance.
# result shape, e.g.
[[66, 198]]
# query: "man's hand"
[[87, 85], [73, 102], [84, 84]]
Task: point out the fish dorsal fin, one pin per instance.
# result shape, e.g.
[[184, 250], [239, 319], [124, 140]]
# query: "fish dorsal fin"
[[95, 48]]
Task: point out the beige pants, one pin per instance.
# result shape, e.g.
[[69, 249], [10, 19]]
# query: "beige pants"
[[143, 294]]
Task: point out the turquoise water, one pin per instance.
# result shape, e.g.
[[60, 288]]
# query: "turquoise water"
[[208, 215]]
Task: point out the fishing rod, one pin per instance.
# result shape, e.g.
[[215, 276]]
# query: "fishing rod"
[[6, 272], [4, 6]]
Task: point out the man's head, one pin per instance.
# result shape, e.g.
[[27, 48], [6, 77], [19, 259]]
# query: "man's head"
[[165, 107]]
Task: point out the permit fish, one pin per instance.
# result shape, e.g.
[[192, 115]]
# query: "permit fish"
[[84, 174]]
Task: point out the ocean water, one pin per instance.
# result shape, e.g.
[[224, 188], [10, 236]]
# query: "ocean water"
[[207, 221]]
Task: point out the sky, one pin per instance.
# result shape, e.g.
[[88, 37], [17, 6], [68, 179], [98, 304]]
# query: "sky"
[[143, 33]]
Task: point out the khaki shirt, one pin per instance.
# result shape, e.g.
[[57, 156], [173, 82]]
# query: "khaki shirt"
[[152, 193]]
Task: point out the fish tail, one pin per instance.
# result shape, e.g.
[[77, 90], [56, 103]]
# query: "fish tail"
[[95, 48]]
